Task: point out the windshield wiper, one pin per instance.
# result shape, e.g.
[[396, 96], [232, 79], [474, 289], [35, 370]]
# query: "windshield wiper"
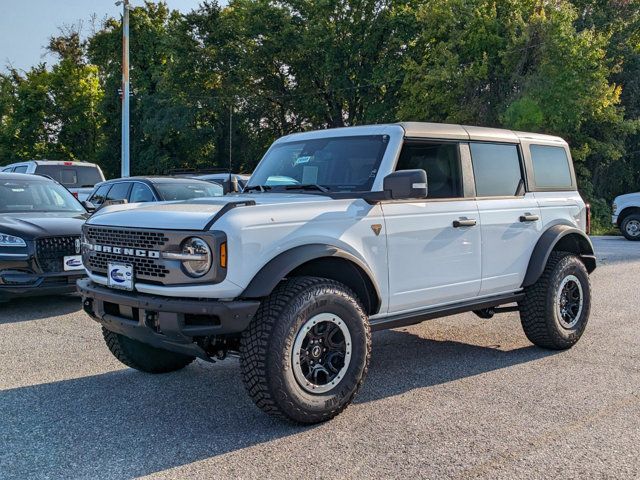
[[261, 188], [307, 186]]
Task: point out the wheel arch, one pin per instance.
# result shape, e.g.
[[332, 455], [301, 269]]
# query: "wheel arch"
[[319, 260], [559, 238], [625, 212]]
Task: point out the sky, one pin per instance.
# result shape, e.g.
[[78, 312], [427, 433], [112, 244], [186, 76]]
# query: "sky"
[[26, 25]]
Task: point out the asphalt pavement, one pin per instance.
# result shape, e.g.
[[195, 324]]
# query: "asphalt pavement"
[[458, 397]]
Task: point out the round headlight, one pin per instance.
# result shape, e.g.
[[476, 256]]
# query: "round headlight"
[[200, 263]]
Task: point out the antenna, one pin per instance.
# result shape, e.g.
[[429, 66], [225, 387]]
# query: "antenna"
[[230, 145]]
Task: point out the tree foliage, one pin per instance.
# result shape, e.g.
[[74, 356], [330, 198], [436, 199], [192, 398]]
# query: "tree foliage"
[[569, 68]]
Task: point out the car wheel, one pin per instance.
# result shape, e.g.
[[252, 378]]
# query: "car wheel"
[[144, 357], [306, 352], [630, 227], [555, 310]]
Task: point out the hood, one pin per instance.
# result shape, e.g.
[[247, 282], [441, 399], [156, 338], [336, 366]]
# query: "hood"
[[193, 214], [31, 225], [627, 197]]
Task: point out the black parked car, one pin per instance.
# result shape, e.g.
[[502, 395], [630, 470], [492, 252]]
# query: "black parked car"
[[40, 224], [152, 189]]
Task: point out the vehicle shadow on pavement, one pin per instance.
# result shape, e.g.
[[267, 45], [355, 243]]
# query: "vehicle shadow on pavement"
[[36, 308], [426, 362], [124, 424]]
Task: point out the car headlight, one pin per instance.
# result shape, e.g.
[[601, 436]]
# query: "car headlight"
[[11, 241], [615, 207], [196, 256]]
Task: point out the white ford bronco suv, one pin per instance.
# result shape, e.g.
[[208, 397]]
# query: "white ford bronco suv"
[[338, 233]]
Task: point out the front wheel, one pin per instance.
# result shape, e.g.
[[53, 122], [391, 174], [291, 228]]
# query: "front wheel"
[[630, 227], [144, 357], [555, 310], [306, 352]]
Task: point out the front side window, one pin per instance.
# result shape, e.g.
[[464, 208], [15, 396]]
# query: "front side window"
[[338, 164], [25, 196], [550, 167], [100, 195], [120, 191], [442, 164], [496, 168]]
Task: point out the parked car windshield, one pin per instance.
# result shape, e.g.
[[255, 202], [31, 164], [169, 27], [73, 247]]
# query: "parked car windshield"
[[186, 191], [338, 164], [40, 196]]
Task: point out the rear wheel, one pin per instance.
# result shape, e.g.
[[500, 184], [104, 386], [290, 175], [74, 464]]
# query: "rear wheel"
[[555, 310], [144, 357], [630, 227], [306, 352]]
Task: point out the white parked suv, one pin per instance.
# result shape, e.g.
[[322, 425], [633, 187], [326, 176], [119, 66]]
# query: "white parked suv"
[[77, 177], [338, 233], [626, 215]]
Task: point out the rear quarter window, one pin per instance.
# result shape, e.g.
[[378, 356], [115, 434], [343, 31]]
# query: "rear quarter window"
[[550, 167]]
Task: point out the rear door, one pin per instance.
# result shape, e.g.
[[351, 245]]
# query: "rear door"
[[433, 245], [509, 215]]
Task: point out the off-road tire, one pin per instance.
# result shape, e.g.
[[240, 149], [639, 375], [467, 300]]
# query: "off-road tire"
[[635, 217], [144, 357], [538, 313], [267, 349]]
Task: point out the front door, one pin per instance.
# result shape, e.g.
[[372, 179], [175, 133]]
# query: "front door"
[[433, 245]]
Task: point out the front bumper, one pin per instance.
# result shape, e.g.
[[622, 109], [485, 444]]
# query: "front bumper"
[[163, 322], [19, 279], [614, 220]]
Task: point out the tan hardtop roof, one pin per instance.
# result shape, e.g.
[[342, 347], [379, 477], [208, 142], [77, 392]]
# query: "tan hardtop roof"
[[467, 132]]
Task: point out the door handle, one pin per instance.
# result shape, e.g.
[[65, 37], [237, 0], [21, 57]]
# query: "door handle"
[[464, 222], [528, 217]]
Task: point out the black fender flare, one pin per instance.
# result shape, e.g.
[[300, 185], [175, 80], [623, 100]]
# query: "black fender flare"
[[281, 265], [564, 237]]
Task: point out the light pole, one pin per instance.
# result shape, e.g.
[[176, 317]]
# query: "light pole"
[[124, 168]]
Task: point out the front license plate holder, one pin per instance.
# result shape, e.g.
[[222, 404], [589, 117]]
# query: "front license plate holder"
[[120, 276]]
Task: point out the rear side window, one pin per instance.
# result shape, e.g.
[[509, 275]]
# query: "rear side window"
[[21, 169], [550, 167], [441, 163], [120, 191], [141, 193], [496, 169], [100, 196]]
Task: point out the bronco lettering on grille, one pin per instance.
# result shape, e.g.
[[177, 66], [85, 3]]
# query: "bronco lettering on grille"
[[132, 252]]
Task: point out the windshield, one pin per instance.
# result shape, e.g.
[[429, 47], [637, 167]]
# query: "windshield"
[[40, 196], [185, 191], [339, 164]]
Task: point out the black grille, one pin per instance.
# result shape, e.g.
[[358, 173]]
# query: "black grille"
[[117, 237], [50, 252], [147, 268]]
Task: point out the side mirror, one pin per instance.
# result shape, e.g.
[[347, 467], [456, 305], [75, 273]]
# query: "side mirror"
[[406, 184], [88, 206]]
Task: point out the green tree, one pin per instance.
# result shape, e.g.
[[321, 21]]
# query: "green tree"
[[520, 65]]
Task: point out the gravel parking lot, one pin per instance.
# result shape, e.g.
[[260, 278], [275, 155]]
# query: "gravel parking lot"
[[458, 397]]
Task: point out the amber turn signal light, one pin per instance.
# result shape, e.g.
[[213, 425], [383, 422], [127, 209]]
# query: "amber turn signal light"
[[223, 255]]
